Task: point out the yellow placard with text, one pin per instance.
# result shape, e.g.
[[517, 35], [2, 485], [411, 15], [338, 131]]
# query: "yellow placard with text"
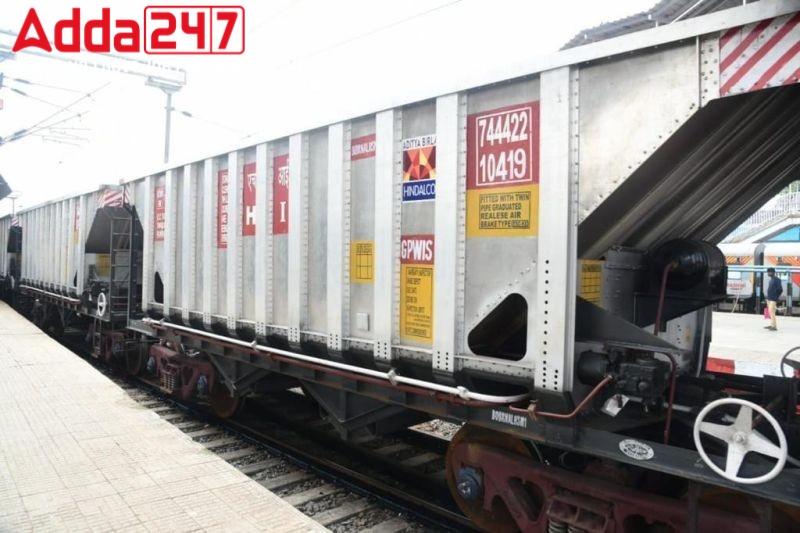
[[503, 211], [362, 261], [103, 265], [591, 280], [416, 303]]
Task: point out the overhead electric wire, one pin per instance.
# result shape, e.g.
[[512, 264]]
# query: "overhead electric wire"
[[48, 126], [57, 141], [57, 134], [74, 102], [46, 86], [20, 134], [26, 95], [73, 128]]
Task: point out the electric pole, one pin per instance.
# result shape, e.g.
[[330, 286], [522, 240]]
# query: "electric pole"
[[169, 89]]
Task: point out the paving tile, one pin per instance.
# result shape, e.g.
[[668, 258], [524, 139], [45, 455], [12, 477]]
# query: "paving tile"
[[154, 510], [95, 490], [222, 479], [115, 472], [19, 521], [81, 479], [137, 528], [238, 526], [134, 482], [102, 505], [173, 524], [144, 495], [47, 502], [173, 474], [36, 485]]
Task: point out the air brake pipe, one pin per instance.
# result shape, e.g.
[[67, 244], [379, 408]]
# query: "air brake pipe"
[[54, 295], [534, 413], [391, 377], [674, 365]]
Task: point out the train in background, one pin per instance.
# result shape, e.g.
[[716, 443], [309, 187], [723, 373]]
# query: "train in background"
[[776, 246]]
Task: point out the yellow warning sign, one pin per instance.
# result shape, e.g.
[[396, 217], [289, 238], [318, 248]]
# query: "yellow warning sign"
[[416, 303], [503, 212], [103, 265], [362, 261], [591, 280]]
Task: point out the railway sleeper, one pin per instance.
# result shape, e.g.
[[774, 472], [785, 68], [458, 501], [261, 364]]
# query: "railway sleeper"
[[343, 512], [285, 480], [241, 453], [202, 431], [254, 468], [312, 494]]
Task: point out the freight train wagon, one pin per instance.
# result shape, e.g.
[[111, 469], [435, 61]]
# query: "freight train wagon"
[[527, 252]]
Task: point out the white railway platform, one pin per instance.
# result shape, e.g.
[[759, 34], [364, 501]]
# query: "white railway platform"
[[741, 345], [78, 454]]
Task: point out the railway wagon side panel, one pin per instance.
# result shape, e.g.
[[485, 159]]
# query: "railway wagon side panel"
[[357, 199], [52, 245], [316, 236], [457, 185], [502, 173], [248, 231], [281, 209]]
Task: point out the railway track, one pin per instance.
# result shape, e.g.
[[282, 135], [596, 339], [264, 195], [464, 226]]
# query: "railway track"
[[380, 485]]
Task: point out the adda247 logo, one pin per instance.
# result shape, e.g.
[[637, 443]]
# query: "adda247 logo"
[[163, 30]]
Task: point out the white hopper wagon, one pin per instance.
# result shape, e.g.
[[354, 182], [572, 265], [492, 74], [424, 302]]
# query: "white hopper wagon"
[[527, 252]]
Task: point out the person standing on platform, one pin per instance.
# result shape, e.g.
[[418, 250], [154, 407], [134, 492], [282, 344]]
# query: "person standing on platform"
[[774, 291]]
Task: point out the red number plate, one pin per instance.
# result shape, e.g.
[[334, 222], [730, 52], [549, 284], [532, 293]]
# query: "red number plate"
[[503, 146], [194, 29]]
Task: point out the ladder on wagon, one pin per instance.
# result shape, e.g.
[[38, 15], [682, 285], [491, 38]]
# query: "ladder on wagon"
[[123, 260]]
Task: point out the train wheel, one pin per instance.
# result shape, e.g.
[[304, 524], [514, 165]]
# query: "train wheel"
[[106, 348], [498, 518], [222, 403], [135, 360]]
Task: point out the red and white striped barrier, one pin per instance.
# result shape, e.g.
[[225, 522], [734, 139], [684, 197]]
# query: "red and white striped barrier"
[[760, 55], [113, 198], [725, 365]]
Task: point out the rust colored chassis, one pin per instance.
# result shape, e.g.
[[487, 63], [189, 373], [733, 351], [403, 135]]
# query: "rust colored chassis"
[[535, 494], [179, 374]]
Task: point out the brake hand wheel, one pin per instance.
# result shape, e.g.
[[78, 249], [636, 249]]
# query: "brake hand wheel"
[[741, 438], [791, 363], [101, 304]]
